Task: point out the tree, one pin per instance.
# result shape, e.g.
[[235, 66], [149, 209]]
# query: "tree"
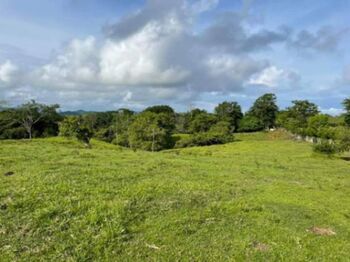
[[75, 126], [168, 115], [317, 125], [147, 132], [123, 120], [160, 109], [29, 114], [230, 112], [346, 104], [202, 122], [265, 109], [68, 126], [250, 124], [302, 110]]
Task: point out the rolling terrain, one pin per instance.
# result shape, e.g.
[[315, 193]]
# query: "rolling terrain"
[[262, 197]]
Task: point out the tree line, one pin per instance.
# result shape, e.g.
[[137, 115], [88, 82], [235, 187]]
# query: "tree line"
[[160, 127]]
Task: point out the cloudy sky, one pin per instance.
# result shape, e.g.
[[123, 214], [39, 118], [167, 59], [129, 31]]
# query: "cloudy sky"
[[107, 54]]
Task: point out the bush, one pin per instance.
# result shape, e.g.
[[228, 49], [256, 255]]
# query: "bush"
[[14, 133], [68, 126], [325, 147], [203, 139], [84, 134], [76, 127]]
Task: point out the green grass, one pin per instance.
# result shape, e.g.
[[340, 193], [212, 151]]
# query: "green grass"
[[254, 199]]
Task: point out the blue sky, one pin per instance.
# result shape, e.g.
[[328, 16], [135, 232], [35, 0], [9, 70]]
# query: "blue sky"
[[106, 54]]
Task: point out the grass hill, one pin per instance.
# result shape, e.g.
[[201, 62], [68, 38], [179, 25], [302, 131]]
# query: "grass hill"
[[261, 198]]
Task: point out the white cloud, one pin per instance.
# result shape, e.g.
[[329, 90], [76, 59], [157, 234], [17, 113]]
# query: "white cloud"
[[332, 111], [203, 5], [273, 77], [234, 68], [77, 64], [137, 60], [7, 71], [158, 55]]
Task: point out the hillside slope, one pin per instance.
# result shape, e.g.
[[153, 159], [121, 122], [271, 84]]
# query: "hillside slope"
[[266, 199]]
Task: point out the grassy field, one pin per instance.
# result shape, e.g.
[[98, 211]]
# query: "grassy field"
[[262, 198]]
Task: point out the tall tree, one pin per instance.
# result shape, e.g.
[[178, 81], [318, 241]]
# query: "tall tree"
[[302, 110], [29, 114], [346, 104], [230, 112], [265, 109], [168, 115]]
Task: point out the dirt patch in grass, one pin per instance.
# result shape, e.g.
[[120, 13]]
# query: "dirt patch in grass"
[[258, 246], [10, 173], [321, 231]]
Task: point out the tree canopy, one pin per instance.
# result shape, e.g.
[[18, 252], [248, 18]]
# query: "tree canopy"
[[265, 109], [230, 112]]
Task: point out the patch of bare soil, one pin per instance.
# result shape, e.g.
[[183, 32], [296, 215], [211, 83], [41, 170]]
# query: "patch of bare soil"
[[261, 247], [9, 173], [322, 231]]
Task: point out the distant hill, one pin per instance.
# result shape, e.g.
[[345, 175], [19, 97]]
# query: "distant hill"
[[76, 113]]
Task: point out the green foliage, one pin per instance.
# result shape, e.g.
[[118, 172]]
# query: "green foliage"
[[158, 109], [74, 126], [99, 120], [84, 134], [147, 132], [326, 147], [204, 139], [13, 133], [221, 127], [346, 104], [230, 112], [250, 124], [220, 133], [105, 134], [265, 109], [167, 119], [318, 126], [37, 120], [344, 144], [122, 122], [68, 126], [201, 122], [302, 110]]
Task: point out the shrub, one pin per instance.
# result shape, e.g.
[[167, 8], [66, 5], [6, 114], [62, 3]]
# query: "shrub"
[[75, 127], [325, 147], [204, 139], [68, 126], [14, 133], [84, 134]]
